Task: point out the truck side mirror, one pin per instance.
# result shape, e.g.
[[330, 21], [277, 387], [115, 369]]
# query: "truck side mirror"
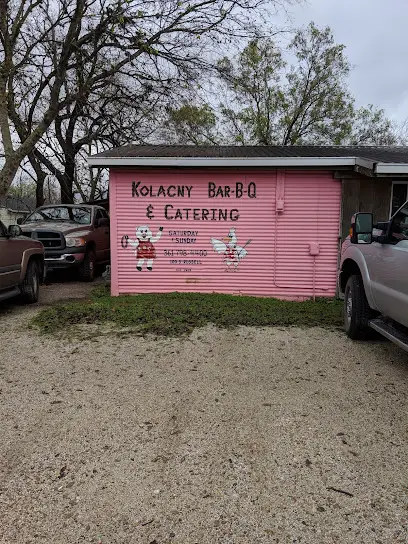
[[102, 222], [361, 230], [14, 231], [20, 221]]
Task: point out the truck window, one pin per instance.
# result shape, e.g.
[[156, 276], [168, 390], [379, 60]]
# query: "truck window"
[[98, 215], [399, 196], [399, 230]]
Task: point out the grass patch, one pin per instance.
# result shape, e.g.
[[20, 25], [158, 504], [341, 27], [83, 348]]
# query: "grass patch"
[[176, 314]]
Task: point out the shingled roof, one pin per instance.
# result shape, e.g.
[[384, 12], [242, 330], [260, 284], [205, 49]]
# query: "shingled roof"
[[365, 160], [388, 154]]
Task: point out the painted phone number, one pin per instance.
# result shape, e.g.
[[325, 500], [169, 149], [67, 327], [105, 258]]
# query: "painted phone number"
[[185, 252]]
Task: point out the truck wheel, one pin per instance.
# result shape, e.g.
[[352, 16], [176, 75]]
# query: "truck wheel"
[[357, 312], [31, 284], [87, 268]]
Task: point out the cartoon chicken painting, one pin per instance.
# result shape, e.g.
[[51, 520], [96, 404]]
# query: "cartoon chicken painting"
[[233, 253]]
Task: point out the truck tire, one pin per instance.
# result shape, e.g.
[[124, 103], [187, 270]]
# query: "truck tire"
[[31, 283], [87, 268], [357, 312]]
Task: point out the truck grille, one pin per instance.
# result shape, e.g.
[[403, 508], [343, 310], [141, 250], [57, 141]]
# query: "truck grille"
[[50, 239]]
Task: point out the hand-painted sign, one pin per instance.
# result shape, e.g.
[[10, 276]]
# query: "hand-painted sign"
[[180, 250], [170, 212]]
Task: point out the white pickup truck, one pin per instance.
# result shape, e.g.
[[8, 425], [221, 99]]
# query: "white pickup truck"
[[374, 278]]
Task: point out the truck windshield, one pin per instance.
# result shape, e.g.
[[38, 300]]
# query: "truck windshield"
[[76, 214]]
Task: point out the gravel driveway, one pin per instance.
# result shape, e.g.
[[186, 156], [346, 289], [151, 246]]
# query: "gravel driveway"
[[251, 436]]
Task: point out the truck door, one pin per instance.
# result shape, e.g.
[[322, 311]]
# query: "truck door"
[[102, 237], [390, 271], [106, 239], [10, 260]]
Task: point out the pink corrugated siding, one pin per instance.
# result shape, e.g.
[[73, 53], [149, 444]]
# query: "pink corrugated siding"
[[311, 215], [114, 181], [278, 260]]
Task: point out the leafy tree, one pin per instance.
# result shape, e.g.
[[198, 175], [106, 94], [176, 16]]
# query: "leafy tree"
[[371, 127], [254, 85], [23, 189], [192, 124], [316, 103], [308, 102]]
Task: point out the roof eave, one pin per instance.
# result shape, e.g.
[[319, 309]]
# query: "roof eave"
[[269, 162], [394, 168]]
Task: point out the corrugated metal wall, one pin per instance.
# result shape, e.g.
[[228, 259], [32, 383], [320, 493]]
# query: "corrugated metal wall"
[[308, 224], [287, 224]]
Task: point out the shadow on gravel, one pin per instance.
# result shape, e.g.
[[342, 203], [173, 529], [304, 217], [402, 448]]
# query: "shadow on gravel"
[[59, 286]]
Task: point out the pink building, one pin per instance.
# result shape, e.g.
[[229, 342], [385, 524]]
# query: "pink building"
[[242, 221]]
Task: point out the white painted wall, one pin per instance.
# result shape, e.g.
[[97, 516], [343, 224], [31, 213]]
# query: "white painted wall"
[[9, 217]]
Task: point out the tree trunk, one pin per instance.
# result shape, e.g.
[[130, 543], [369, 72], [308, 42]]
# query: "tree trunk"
[[67, 196], [40, 179], [10, 166], [39, 190], [7, 174], [67, 183], [94, 182]]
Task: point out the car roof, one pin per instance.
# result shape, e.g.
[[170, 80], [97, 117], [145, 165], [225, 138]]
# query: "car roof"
[[89, 206], [67, 206]]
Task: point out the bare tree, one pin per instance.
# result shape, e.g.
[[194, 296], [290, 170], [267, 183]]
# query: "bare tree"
[[22, 36], [43, 42], [121, 111]]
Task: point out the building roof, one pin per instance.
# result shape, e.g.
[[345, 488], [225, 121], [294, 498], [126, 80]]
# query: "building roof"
[[376, 153], [24, 205], [378, 159]]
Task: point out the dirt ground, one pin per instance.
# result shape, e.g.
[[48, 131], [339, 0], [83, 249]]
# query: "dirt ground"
[[249, 436], [62, 287]]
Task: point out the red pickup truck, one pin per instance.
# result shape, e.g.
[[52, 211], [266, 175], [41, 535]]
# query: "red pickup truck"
[[21, 264]]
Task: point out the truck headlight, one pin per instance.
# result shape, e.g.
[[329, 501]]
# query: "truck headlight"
[[74, 242]]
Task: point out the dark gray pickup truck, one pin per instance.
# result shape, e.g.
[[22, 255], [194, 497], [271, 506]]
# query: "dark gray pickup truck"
[[74, 236]]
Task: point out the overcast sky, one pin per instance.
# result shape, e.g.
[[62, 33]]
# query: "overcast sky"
[[375, 33]]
